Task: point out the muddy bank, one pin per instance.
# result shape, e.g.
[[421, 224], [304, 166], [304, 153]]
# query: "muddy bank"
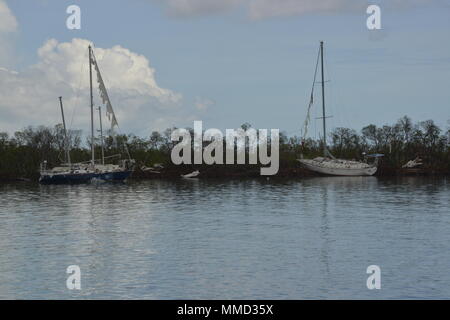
[[236, 172]]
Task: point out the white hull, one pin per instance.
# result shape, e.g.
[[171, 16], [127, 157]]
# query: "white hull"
[[359, 169], [191, 175]]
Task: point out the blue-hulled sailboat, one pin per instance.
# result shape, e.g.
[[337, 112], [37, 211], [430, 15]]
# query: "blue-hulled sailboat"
[[91, 170]]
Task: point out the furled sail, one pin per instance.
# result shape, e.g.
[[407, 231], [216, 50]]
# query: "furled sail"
[[308, 117], [104, 95], [311, 102]]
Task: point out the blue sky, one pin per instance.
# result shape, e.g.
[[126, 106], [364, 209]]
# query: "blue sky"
[[256, 70]]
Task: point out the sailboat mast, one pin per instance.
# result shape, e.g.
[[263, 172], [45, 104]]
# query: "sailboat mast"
[[101, 134], [66, 141], [323, 103], [92, 107]]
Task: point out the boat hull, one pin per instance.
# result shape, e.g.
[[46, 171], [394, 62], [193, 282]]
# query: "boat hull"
[[76, 178], [311, 165]]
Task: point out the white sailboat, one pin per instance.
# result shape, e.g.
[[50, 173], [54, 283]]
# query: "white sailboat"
[[94, 169], [328, 164]]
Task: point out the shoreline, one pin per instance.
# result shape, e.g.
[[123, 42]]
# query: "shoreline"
[[241, 172]]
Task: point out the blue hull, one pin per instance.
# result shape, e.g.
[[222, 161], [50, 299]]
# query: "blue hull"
[[84, 177]]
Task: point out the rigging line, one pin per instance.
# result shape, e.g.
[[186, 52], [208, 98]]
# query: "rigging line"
[[124, 143], [113, 116], [315, 124], [338, 107], [77, 96], [334, 101], [333, 104], [311, 101], [330, 95]]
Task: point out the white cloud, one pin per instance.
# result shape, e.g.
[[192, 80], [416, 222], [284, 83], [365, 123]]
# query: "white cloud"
[[259, 9], [124, 70], [203, 104], [8, 22], [198, 7], [8, 27], [31, 97]]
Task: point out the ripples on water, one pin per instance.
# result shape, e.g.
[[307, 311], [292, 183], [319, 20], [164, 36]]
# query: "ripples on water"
[[208, 239]]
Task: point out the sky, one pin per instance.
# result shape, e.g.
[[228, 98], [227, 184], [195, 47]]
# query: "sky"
[[167, 63]]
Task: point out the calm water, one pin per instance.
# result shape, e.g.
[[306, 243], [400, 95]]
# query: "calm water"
[[298, 239]]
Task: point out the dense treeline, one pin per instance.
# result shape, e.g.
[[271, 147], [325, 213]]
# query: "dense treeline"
[[22, 153], [400, 143]]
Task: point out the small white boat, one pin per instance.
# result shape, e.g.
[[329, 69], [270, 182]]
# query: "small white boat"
[[417, 162], [328, 164], [149, 169], [191, 175]]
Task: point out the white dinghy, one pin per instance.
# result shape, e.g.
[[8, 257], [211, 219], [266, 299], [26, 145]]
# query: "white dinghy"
[[191, 175]]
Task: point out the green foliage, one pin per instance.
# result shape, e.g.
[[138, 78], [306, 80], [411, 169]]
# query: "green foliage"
[[22, 153]]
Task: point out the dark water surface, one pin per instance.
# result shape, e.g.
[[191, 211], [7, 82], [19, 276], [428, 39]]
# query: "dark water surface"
[[208, 239]]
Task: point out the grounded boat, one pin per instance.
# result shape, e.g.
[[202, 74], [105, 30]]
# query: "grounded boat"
[[84, 173], [88, 171], [339, 167], [328, 164]]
